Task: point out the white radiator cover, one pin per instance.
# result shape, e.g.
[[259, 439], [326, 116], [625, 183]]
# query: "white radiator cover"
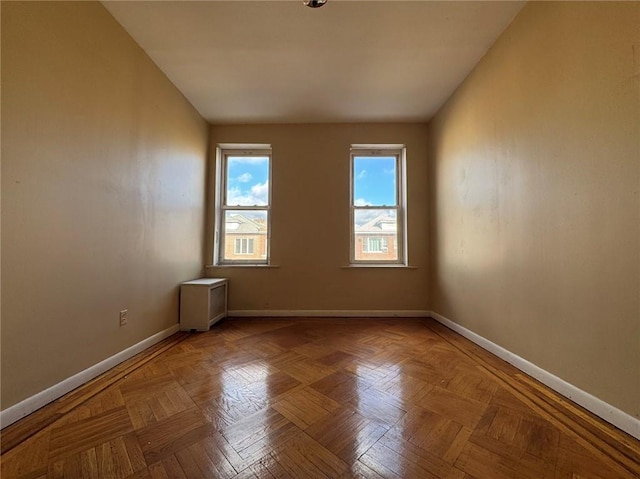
[[202, 303]]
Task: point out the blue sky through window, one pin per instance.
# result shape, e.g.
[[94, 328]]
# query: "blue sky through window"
[[374, 180], [247, 180]]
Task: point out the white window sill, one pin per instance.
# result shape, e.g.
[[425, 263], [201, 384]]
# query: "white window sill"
[[217, 266], [377, 265]]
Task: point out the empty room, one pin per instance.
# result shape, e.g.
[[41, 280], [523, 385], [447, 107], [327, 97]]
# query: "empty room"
[[320, 239]]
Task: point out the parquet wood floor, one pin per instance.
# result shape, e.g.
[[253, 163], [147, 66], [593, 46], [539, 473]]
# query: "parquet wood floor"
[[323, 398]]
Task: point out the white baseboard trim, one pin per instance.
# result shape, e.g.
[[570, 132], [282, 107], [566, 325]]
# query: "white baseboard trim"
[[609, 413], [27, 406], [327, 313]]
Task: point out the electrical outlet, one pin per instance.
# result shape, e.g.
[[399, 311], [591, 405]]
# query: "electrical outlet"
[[123, 317]]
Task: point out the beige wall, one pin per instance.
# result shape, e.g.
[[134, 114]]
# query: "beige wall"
[[103, 166], [310, 222], [535, 208]]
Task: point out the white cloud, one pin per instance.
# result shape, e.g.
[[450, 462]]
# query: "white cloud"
[[260, 191], [362, 174], [361, 202], [244, 178], [247, 160], [364, 216], [257, 195]]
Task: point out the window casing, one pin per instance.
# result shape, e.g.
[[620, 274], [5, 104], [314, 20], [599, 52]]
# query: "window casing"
[[243, 205], [378, 205]]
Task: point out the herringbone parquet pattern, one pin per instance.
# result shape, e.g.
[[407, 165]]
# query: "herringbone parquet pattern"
[[327, 398]]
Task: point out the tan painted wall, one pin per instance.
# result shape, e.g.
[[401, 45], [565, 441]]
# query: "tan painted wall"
[[536, 208], [310, 222], [103, 167]]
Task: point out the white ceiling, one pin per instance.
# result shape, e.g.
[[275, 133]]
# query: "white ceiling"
[[281, 62]]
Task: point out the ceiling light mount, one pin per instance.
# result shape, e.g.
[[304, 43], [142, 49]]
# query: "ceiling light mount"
[[314, 3]]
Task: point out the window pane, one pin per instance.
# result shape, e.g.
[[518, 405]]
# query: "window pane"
[[247, 181], [376, 235], [374, 181], [245, 235]]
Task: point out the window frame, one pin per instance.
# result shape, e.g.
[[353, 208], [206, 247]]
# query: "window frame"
[[381, 150], [223, 151]]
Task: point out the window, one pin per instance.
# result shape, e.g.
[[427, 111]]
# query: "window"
[[243, 174], [378, 204], [244, 246], [375, 245]]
